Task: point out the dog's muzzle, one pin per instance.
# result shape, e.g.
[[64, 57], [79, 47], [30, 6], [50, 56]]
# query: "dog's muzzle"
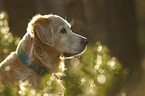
[[83, 43]]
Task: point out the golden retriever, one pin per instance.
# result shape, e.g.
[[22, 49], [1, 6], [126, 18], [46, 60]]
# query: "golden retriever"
[[48, 38]]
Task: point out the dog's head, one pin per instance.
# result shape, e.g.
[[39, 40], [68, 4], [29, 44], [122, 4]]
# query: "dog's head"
[[56, 32]]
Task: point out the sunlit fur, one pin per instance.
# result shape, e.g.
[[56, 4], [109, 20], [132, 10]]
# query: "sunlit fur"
[[44, 45]]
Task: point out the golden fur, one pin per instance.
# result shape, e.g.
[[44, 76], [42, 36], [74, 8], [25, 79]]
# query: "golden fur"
[[48, 37]]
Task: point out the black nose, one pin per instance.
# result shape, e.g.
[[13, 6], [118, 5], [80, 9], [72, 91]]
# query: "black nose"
[[84, 41]]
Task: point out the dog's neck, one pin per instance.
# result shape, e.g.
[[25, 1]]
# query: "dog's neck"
[[12, 69], [41, 54]]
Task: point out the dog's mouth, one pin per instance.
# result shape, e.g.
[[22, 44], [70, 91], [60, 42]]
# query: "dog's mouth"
[[67, 54], [72, 55]]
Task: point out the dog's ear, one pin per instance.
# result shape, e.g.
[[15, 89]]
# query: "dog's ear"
[[43, 28]]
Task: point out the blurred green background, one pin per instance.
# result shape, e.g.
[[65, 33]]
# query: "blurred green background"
[[114, 63]]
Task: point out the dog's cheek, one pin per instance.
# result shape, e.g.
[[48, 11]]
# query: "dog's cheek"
[[60, 45]]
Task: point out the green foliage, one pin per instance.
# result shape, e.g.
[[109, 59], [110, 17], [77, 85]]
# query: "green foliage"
[[8, 90], [93, 74], [8, 42]]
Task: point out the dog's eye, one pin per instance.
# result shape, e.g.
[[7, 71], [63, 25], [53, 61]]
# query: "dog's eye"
[[63, 31]]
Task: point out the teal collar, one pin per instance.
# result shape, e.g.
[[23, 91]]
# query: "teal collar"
[[25, 59]]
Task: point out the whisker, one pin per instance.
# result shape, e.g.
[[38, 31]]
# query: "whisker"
[[72, 22]]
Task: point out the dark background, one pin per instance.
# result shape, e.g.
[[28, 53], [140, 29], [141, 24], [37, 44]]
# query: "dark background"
[[119, 24]]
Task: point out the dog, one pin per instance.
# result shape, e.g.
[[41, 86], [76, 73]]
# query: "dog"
[[48, 38]]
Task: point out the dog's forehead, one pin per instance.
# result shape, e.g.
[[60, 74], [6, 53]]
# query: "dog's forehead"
[[59, 19]]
